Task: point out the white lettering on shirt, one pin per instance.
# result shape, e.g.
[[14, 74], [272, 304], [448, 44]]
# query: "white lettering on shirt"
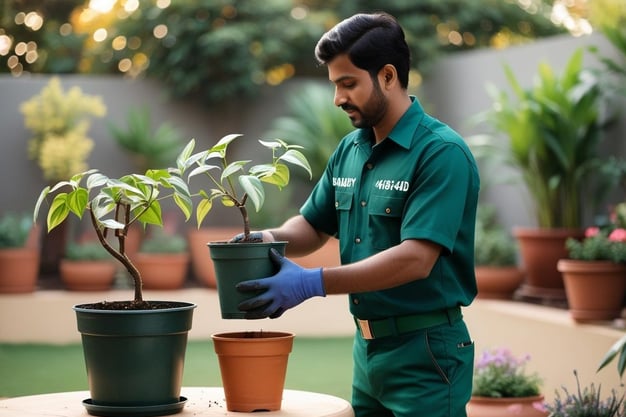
[[343, 182]]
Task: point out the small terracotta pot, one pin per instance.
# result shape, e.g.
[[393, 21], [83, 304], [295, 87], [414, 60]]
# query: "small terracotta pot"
[[162, 271], [498, 282], [87, 275], [595, 289], [19, 270], [253, 366], [505, 407]]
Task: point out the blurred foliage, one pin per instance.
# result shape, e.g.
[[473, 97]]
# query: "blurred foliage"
[[218, 49]]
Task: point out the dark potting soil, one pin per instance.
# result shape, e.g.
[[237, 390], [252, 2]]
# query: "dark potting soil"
[[132, 305]]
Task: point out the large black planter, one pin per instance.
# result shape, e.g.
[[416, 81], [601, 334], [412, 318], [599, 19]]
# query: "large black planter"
[[135, 359], [236, 262]]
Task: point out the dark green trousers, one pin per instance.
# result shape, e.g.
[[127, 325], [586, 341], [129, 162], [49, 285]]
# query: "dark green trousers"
[[425, 373]]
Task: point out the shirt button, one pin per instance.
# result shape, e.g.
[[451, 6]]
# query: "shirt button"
[[336, 203], [357, 240], [363, 203], [355, 301], [369, 166], [387, 210]]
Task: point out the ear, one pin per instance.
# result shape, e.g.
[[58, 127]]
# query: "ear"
[[388, 75]]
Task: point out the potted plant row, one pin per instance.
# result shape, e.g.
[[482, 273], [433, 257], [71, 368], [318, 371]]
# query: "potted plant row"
[[134, 349], [163, 260], [552, 131]]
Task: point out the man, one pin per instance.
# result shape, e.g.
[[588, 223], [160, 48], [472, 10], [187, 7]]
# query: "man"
[[400, 193]]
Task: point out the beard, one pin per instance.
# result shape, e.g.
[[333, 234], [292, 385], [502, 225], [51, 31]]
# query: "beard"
[[372, 112]]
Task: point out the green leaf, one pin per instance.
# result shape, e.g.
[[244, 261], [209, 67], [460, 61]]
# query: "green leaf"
[[42, 196], [151, 215], [203, 209], [233, 168], [253, 187], [279, 176], [297, 158], [59, 210], [77, 201]]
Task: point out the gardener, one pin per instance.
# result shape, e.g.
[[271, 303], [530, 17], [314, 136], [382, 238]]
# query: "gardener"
[[400, 193]]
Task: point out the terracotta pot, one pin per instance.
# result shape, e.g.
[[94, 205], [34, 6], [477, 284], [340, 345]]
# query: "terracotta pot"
[[201, 262], [19, 270], [87, 275], [498, 282], [540, 250], [504, 407], [253, 366], [595, 289], [162, 271]]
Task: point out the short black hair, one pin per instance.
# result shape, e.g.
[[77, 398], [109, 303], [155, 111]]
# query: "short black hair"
[[371, 41]]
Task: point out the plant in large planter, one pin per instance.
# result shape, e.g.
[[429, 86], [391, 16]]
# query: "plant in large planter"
[[594, 272], [503, 387], [260, 353], [134, 350], [495, 257], [553, 130], [19, 253]]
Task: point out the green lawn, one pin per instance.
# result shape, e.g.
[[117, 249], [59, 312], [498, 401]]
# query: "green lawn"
[[315, 364]]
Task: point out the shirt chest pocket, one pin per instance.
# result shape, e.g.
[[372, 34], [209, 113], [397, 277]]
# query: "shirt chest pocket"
[[343, 204], [385, 219]]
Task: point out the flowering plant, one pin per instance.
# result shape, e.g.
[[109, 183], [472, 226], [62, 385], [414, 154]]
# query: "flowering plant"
[[59, 122], [586, 402], [602, 243], [499, 374]]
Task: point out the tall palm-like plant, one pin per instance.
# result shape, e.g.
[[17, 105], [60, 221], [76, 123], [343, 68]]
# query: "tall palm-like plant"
[[553, 131]]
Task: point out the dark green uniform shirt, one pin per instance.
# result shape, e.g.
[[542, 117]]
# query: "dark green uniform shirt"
[[421, 182]]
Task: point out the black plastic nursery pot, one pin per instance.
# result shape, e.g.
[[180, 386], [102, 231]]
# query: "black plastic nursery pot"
[[237, 262], [135, 359]]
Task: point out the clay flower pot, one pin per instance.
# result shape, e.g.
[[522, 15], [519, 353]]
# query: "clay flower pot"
[[253, 366], [595, 289], [505, 407]]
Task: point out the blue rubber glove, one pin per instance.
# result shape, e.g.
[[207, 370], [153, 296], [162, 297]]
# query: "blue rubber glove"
[[291, 285], [254, 237]]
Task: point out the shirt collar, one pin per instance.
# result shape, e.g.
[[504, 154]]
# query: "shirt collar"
[[402, 132]]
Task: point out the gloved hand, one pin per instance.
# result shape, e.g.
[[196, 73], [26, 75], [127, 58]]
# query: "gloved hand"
[[291, 285], [253, 237]]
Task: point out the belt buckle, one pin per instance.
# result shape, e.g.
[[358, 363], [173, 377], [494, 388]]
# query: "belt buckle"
[[366, 331]]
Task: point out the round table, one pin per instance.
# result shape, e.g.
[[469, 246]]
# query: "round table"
[[201, 402]]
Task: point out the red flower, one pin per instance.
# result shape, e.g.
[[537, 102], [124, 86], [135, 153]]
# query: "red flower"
[[592, 231]]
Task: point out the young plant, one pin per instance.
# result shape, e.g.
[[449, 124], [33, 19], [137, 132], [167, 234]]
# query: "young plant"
[[249, 184], [114, 205]]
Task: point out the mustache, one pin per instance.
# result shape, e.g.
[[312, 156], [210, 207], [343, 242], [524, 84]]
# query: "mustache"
[[346, 107]]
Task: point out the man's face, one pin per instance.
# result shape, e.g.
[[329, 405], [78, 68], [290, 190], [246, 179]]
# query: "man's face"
[[356, 93]]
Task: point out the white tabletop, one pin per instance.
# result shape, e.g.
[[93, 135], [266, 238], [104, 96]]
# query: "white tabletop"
[[201, 402]]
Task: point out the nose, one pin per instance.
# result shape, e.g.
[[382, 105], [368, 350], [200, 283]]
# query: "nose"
[[340, 98]]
